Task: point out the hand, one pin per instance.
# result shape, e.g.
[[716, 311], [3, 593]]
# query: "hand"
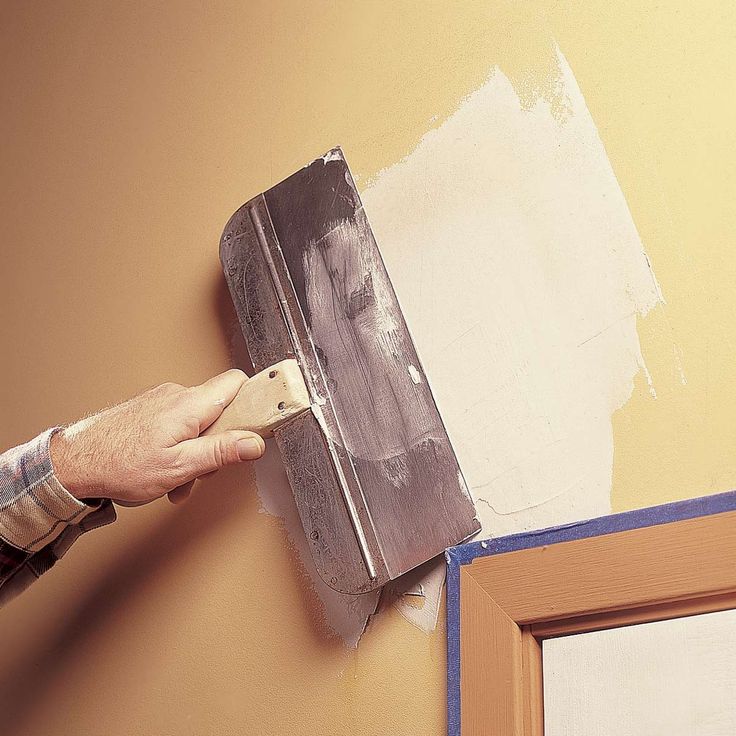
[[137, 451]]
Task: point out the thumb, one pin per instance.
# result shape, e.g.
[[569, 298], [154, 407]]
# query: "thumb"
[[211, 452]]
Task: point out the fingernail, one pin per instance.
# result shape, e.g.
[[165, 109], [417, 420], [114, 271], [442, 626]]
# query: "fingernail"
[[250, 448]]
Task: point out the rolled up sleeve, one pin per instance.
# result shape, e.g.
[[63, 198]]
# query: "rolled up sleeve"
[[39, 518], [34, 507]]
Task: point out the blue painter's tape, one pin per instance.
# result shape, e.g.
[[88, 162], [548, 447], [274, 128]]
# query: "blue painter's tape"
[[464, 554], [452, 588]]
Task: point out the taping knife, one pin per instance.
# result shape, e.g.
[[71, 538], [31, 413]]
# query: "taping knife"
[[374, 476]]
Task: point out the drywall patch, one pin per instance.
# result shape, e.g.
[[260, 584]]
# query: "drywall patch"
[[521, 275]]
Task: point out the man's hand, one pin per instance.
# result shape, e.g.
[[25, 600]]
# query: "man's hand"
[[136, 452]]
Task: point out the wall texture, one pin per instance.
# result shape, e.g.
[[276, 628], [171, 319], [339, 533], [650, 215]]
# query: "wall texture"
[[131, 131]]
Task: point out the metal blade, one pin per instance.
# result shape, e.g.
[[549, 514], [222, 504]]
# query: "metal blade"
[[375, 479]]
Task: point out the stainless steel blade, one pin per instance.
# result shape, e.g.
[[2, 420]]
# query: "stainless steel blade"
[[376, 482]]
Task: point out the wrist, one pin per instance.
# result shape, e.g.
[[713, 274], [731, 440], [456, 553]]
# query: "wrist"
[[66, 465]]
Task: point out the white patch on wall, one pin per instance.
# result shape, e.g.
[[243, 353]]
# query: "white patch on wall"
[[521, 275]]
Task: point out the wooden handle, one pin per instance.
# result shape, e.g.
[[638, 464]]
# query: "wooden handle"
[[265, 402]]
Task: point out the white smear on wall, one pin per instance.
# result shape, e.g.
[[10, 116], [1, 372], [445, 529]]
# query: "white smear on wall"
[[521, 275]]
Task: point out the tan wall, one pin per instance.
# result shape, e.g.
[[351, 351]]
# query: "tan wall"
[[130, 132]]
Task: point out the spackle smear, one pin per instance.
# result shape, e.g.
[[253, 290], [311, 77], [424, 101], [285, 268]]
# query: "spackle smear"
[[521, 275]]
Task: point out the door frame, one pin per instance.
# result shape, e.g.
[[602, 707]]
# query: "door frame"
[[506, 595]]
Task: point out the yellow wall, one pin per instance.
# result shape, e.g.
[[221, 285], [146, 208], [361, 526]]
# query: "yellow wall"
[[130, 132]]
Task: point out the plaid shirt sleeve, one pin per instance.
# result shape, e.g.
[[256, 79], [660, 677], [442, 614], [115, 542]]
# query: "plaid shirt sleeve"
[[39, 518]]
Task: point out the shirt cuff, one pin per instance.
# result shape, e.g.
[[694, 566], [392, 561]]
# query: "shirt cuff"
[[35, 508]]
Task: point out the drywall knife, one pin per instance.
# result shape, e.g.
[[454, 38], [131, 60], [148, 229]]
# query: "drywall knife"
[[375, 479]]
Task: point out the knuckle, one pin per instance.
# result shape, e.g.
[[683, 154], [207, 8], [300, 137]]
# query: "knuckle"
[[169, 388], [218, 454], [224, 452], [191, 425], [236, 372], [184, 397], [178, 469]]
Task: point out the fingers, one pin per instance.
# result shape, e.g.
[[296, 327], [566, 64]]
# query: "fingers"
[[211, 397], [202, 455], [182, 493], [212, 452]]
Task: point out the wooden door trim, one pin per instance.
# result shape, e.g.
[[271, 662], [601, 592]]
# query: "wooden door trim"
[[505, 595]]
